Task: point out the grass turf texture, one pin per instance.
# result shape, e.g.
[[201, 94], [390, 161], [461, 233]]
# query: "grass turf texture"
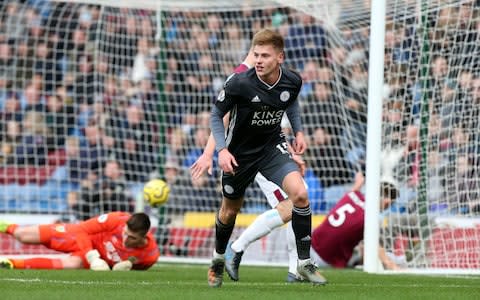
[[178, 281]]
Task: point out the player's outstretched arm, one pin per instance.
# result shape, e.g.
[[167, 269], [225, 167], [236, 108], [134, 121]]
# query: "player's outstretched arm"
[[359, 181], [205, 161], [250, 59], [386, 261]]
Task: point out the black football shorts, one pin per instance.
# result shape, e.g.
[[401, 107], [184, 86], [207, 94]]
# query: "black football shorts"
[[274, 164]]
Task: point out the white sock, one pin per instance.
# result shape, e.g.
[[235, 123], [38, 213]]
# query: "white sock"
[[218, 256], [292, 249], [304, 261], [260, 227]]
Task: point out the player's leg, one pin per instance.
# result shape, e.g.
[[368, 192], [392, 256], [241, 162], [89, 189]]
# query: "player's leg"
[[292, 275], [224, 224], [233, 189], [280, 168], [23, 234], [261, 226], [52, 236], [27, 235], [6, 263], [302, 225], [67, 262], [280, 214], [7, 227]]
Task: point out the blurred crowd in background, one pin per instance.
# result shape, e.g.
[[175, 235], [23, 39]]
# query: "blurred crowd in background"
[[94, 101]]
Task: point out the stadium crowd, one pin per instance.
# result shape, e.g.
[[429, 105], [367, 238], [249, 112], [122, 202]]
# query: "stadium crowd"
[[92, 103]]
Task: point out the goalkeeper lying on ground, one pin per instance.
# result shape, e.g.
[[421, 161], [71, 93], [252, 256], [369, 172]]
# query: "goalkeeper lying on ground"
[[115, 240]]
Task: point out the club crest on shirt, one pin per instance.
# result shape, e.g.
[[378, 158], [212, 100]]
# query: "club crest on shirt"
[[60, 228], [221, 96], [102, 218], [228, 188], [284, 96]]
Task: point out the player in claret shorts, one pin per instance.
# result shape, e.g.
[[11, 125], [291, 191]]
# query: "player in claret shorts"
[[115, 241]]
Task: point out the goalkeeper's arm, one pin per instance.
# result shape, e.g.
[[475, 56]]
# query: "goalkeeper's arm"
[[91, 255]]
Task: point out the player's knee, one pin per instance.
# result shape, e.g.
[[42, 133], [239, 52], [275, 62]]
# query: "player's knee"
[[231, 212], [299, 197], [227, 215], [22, 235]]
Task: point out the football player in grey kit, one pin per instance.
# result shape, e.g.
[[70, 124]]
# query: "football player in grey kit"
[[254, 142]]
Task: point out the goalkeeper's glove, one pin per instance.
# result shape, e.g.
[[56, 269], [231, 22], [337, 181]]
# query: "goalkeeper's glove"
[[124, 265], [96, 263]]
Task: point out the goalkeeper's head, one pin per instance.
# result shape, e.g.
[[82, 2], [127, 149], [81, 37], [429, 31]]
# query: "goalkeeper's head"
[[135, 231]]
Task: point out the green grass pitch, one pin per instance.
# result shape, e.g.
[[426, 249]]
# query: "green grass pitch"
[[179, 281]]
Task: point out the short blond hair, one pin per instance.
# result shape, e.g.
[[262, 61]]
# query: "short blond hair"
[[269, 37]]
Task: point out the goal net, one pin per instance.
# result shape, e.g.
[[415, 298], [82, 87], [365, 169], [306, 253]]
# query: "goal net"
[[99, 96]]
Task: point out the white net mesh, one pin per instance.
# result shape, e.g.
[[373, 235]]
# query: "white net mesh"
[[99, 96], [432, 78]]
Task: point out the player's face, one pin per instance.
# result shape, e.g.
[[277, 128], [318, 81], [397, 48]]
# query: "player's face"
[[132, 239], [267, 62]]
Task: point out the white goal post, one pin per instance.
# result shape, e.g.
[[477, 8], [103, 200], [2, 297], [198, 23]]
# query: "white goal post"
[[374, 135], [98, 96]]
